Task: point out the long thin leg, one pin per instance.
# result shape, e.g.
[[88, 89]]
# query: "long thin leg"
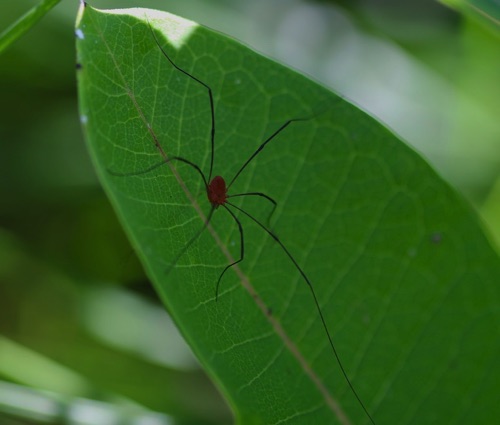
[[263, 195], [191, 241], [209, 216], [210, 95], [242, 251], [299, 269], [263, 145], [159, 164]]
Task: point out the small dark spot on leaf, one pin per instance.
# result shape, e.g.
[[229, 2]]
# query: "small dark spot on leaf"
[[436, 237]]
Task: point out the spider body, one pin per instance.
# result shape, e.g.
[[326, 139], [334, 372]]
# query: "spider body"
[[217, 192]]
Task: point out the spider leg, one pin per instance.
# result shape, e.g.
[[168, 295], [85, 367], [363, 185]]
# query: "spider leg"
[[191, 241], [159, 164], [242, 251], [206, 86], [304, 276], [263, 195], [263, 145]]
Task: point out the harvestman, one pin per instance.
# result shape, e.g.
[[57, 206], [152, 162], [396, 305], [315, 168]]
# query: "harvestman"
[[217, 193]]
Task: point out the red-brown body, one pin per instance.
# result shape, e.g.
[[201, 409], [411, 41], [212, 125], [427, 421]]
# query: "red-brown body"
[[217, 191]]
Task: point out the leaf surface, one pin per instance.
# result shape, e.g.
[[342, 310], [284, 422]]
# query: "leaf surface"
[[405, 277]]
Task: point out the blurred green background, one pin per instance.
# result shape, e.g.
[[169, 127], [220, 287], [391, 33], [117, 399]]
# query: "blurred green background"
[[83, 338]]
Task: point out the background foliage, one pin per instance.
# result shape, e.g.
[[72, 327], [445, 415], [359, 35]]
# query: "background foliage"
[[429, 73]]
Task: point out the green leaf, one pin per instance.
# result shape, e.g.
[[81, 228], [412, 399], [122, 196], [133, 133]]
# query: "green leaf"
[[486, 12], [405, 277]]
